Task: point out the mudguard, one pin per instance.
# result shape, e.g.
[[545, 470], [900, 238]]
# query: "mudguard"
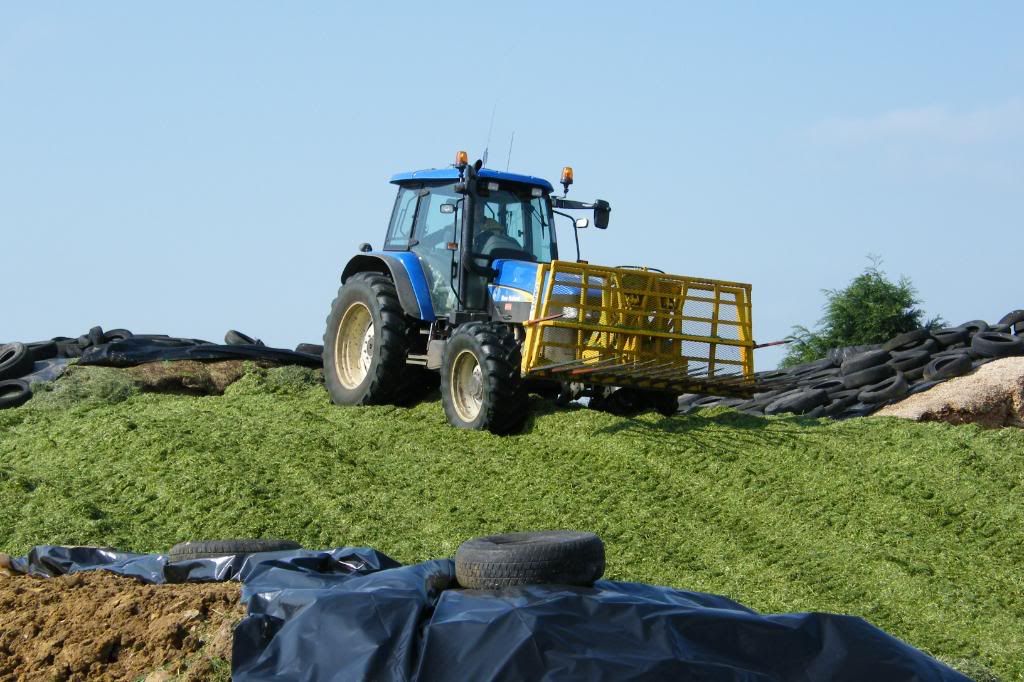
[[406, 272]]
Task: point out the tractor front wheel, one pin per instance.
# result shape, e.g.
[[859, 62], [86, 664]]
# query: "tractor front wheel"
[[481, 384], [366, 344]]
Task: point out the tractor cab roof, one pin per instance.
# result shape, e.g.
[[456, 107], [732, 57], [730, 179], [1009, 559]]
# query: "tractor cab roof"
[[453, 174]]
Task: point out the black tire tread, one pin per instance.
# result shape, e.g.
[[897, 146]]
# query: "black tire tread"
[[950, 336], [910, 359], [18, 361], [866, 377], [1014, 317], [947, 367], [42, 350], [974, 326], [95, 335], [799, 403], [116, 335], [13, 398], [906, 339], [865, 360], [233, 337], [507, 402], [393, 382], [554, 557], [894, 387], [208, 549], [991, 344]]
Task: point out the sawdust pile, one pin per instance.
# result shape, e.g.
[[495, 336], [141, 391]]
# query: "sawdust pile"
[[992, 396]]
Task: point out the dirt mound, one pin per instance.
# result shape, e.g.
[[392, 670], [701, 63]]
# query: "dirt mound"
[[189, 376], [992, 396], [99, 626]]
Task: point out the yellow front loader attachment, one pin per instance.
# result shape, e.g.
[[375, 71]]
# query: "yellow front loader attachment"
[[640, 328]]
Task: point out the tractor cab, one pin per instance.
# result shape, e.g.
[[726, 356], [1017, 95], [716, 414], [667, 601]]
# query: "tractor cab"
[[478, 234]]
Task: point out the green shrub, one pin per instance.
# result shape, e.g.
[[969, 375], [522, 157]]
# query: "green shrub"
[[871, 309]]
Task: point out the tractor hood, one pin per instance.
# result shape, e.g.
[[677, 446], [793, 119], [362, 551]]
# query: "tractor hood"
[[512, 291], [515, 280], [515, 288]]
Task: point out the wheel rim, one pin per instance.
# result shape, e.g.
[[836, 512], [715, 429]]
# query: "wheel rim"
[[467, 386], [354, 346]]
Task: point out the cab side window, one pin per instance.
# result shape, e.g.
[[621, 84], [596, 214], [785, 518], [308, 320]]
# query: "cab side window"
[[402, 217], [433, 227]]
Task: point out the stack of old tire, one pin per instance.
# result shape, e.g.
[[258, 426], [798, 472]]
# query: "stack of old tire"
[[16, 361], [20, 363], [19, 360], [856, 381]]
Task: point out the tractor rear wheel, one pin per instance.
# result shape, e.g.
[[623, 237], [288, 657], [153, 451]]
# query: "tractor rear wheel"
[[481, 384], [366, 344]]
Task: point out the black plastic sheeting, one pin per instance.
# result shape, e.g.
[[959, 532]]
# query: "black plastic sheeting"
[[354, 613], [137, 350], [121, 348], [46, 370]]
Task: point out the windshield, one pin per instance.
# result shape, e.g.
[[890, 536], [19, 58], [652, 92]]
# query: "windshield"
[[511, 222]]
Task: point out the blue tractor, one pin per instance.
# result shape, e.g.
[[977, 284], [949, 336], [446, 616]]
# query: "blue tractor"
[[469, 285]]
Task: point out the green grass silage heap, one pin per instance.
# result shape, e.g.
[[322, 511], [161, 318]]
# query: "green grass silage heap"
[[916, 527]]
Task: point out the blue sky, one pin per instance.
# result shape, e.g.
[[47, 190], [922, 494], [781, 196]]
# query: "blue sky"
[[187, 168]]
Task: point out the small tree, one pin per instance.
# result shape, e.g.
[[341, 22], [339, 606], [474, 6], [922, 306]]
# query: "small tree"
[[871, 309]]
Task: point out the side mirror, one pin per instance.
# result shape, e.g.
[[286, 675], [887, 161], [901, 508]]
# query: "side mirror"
[[602, 210], [582, 223], [447, 208]]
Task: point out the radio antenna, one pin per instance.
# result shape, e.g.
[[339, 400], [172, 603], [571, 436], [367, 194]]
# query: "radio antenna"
[[509, 161], [490, 129]]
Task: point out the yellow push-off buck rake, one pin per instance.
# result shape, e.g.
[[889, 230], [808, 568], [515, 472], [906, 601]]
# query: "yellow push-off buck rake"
[[639, 328], [469, 284]]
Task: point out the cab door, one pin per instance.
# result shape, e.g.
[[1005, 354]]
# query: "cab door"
[[435, 230]]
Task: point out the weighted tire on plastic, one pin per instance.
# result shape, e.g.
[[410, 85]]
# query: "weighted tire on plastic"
[[866, 377], [1015, 319], [950, 336], [233, 337], [14, 392], [947, 367], [535, 558], [798, 403], [907, 340], [907, 360], [42, 350], [997, 344], [890, 389], [974, 326], [210, 549], [311, 348], [15, 361], [865, 360]]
